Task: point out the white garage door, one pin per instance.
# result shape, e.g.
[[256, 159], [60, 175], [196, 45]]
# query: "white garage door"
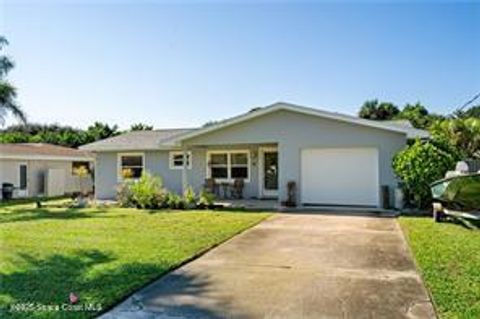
[[340, 176]]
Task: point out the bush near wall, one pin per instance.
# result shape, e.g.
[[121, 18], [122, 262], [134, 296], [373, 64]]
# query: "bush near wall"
[[148, 192], [420, 164]]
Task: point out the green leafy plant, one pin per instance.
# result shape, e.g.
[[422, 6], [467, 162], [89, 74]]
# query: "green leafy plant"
[[147, 191], [460, 134], [206, 199], [125, 195], [189, 198], [174, 201], [417, 166]]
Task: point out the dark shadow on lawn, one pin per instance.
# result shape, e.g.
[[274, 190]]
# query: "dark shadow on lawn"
[[49, 281], [22, 214]]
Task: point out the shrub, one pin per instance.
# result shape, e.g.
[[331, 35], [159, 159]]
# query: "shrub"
[[174, 201], [417, 166], [206, 199], [124, 194], [146, 192], [189, 198]]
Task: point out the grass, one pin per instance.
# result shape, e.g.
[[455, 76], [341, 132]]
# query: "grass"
[[448, 255], [28, 200], [101, 254]]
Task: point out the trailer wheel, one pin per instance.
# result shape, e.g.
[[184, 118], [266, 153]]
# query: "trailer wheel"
[[438, 214]]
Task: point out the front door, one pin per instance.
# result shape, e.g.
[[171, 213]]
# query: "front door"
[[22, 180], [269, 172]]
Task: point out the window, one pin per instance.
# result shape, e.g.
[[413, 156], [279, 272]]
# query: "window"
[[23, 176], [229, 165], [176, 160], [77, 165], [130, 166]]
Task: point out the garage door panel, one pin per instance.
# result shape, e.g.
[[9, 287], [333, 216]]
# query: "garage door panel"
[[346, 176]]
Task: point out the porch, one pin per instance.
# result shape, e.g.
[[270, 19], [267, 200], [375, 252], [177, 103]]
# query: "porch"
[[237, 174]]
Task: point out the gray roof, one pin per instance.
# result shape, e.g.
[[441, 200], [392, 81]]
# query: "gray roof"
[[412, 132], [32, 150], [138, 140]]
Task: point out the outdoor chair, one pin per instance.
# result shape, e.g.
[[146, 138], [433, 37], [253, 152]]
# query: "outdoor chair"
[[237, 188]]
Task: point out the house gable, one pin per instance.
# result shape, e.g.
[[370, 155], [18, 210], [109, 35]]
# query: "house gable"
[[291, 108]]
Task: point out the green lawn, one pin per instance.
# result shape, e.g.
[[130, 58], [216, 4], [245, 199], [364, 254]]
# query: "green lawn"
[[448, 256], [102, 255]]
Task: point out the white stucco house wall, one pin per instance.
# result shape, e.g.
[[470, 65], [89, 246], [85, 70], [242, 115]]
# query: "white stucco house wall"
[[334, 159], [38, 169]]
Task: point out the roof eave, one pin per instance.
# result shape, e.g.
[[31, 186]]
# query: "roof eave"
[[133, 149], [293, 108]]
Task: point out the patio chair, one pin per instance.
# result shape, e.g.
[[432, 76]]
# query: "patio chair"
[[237, 188]]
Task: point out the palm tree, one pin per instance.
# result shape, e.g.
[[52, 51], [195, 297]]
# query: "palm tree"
[[8, 93]]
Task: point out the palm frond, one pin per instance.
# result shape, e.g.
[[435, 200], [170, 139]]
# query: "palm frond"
[[8, 103]]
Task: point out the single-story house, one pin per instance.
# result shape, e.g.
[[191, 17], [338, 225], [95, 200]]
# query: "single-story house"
[[334, 159], [37, 169]]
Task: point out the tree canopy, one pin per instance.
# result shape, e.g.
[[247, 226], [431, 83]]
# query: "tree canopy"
[[57, 134], [375, 110], [474, 111], [8, 93], [141, 127]]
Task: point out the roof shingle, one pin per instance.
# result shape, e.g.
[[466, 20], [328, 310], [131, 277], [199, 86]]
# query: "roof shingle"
[[138, 140], [41, 149]]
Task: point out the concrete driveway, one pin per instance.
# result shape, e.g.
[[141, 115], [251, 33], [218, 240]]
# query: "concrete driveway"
[[294, 265]]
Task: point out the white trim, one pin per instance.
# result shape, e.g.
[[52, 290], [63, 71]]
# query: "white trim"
[[45, 158], [22, 192], [140, 148], [171, 161], [229, 152], [297, 109], [119, 165], [263, 193]]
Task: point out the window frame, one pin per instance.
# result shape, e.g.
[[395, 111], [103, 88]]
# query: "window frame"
[[229, 166], [171, 162], [119, 164]]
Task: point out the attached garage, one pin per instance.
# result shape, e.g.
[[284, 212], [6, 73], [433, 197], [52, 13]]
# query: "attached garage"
[[340, 176]]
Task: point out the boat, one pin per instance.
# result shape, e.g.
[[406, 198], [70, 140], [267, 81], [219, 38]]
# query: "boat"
[[457, 196]]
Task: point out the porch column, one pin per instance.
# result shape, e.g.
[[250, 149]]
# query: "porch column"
[[184, 169]]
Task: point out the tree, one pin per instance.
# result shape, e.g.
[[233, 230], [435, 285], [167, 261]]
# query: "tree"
[[56, 134], [474, 111], [373, 110], [140, 127], [100, 131], [418, 115], [460, 134], [418, 165], [8, 92]]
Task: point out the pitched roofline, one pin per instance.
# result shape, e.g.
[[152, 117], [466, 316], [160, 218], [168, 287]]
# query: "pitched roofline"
[[36, 157], [173, 147], [293, 108]]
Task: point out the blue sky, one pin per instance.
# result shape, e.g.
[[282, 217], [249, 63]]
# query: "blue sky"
[[180, 65]]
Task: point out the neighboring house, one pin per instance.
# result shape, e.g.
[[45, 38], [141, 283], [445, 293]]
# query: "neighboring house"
[[334, 159], [43, 169]]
